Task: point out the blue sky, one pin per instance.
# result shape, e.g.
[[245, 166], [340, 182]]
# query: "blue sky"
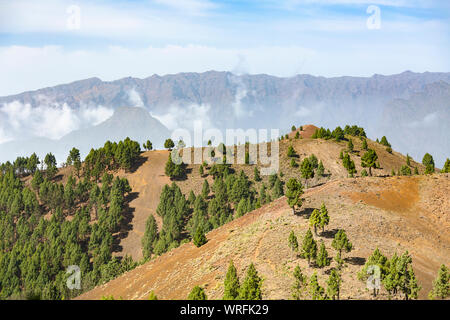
[[48, 42]]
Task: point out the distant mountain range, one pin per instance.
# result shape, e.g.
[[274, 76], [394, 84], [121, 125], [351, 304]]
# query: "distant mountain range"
[[399, 106]]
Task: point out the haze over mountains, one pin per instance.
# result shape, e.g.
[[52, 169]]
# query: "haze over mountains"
[[411, 109]]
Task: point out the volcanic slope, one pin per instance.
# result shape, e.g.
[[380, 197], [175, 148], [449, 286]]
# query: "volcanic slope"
[[148, 179], [394, 214]]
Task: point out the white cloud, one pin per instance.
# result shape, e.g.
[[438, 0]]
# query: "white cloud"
[[135, 98], [49, 120], [427, 121], [196, 7], [178, 117], [112, 21]]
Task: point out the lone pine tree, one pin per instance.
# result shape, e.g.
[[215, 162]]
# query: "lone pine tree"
[[293, 243], [199, 237], [369, 159], [293, 193], [428, 162], [168, 144], [231, 283]]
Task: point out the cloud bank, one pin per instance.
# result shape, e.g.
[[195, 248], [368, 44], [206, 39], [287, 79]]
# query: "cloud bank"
[[48, 120]]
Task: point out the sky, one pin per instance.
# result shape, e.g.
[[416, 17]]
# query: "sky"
[[47, 42]]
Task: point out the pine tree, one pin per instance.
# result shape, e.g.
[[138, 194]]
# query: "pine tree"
[[314, 220], [407, 281], [205, 189], [441, 285], [341, 242], [257, 175], [197, 293], [339, 260], [334, 285], [309, 247], [278, 189], [315, 290], [148, 145], [408, 160], [446, 168], [293, 243], [416, 171], [150, 236], [300, 282], [293, 193], [291, 152], [231, 283], [50, 162], [251, 286], [307, 169], [37, 180], [322, 256], [413, 287], [262, 194], [199, 237], [428, 162], [350, 146], [191, 198], [293, 163], [384, 142], [364, 144], [293, 128], [201, 170], [320, 169], [169, 144], [324, 217], [369, 159], [405, 170]]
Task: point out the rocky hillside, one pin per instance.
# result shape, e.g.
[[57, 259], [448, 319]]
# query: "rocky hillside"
[[393, 214]]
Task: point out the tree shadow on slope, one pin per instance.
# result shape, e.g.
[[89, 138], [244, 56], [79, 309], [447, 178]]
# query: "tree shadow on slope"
[[304, 212], [329, 234], [137, 163], [357, 261], [125, 224]]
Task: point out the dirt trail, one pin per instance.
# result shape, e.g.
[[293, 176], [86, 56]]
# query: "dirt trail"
[[147, 182]]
